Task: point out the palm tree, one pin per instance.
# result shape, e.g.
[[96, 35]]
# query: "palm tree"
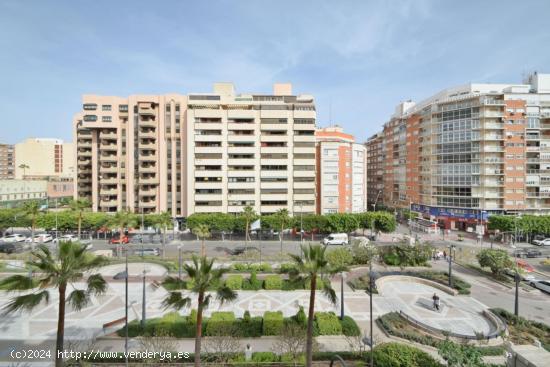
[[164, 220], [283, 219], [314, 267], [203, 276], [32, 210], [78, 206], [121, 220], [57, 271], [202, 231], [249, 215]]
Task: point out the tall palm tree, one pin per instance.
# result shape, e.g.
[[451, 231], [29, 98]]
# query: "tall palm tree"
[[249, 215], [78, 206], [121, 220], [283, 219], [203, 276], [57, 271], [32, 210], [314, 268], [164, 220], [202, 231]]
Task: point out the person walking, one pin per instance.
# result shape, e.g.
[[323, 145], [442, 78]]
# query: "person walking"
[[435, 298]]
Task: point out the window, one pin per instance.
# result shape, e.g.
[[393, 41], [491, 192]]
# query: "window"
[[106, 118], [106, 107], [89, 106], [123, 108]]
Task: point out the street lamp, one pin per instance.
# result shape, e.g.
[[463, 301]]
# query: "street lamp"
[[179, 261], [342, 278], [124, 274], [516, 301], [143, 303], [451, 247]]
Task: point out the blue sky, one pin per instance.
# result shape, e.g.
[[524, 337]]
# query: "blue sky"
[[359, 57]]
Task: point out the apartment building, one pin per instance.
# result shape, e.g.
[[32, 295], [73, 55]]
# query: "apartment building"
[[375, 170], [198, 153], [7, 162], [41, 158], [469, 152], [13, 192], [341, 172]]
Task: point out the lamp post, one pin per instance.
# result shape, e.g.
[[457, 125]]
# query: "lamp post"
[[124, 274], [372, 253], [451, 247], [342, 278], [143, 303], [179, 262]]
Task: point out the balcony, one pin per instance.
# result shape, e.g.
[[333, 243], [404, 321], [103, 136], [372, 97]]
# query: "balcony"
[[84, 180], [148, 157], [108, 158], [298, 150], [148, 204], [84, 162], [532, 137], [84, 143], [211, 209], [304, 138], [304, 162], [492, 148], [148, 123], [147, 146], [84, 153], [209, 138], [532, 148], [108, 192], [147, 191], [148, 181], [210, 149], [241, 161], [148, 169], [242, 150], [148, 134], [208, 125], [304, 173], [145, 109], [109, 180], [108, 135], [208, 185], [108, 147], [274, 127], [494, 172], [208, 197], [492, 137], [304, 185], [109, 169], [304, 197], [493, 125]]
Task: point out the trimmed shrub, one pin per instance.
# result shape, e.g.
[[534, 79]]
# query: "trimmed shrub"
[[300, 318], [273, 282], [252, 283], [265, 357], [287, 267], [221, 320], [273, 323], [350, 327], [250, 327], [339, 257], [328, 323], [234, 282], [401, 355]]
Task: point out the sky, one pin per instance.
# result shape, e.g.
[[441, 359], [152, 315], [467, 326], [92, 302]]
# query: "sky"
[[359, 59]]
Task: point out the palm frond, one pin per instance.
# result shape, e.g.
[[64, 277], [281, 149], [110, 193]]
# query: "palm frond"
[[17, 283], [26, 302], [78, 299], [174, 283], [328, 291], [96, 284], [176, 301], [206, 301], [225, 294]]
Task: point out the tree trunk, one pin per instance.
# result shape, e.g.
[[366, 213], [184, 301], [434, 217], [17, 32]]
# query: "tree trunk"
[[33, 224], [60, 327], [311, 315], [79, 225], [198, 333], [203, 248], [281, 238]]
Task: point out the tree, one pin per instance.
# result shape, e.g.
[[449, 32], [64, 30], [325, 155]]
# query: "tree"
[[503, 223], [202, 232], [314, 222], [78, 206], [67, 267], [202, 276], [384, 222], [342, 223], [496, 260], [164, 220], [32, 210], [122, 220], [283, 220], [313, 267], [249, 216]]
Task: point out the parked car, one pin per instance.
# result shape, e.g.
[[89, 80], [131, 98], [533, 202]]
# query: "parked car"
[[11, 247], [40, 238], [543, 285], [523, 275], [537, 238], [530, 253], [336, 239], [119, 240], [544, 242], [66, 238], [16, 237], [147, 252]]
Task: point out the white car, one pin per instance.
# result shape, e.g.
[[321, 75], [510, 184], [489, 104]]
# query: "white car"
[[147, 252], [543, 285], [66, 238], [14, 238], [524, 275], [336, 239], [40, 238], [545, 242]]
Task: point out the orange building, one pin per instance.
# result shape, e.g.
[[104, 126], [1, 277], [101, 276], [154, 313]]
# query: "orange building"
[[341, 172]]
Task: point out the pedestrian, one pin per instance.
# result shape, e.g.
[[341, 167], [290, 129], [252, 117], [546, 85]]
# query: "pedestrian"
[[445, 255], [437, 303], [435, 298]]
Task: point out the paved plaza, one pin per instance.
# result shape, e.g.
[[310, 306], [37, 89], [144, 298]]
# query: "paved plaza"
[[460, 314]]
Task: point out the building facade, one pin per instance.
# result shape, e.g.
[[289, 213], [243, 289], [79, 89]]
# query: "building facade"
[[13, 192], [375, 170], [39, 158], [341, 172], [198, 153], [7, 162], [469, 152]]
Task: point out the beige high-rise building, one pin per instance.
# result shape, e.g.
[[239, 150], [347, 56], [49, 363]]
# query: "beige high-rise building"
[[198, 153], [39, 158], [7, 162]]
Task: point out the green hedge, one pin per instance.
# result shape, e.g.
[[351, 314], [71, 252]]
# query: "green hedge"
[[250, 326], [273, 323], [247, 267], [220, 321], [350, 327], [265, 357], [273, 282], [234, 282], [252, 283], [328, 323], [401, 355]]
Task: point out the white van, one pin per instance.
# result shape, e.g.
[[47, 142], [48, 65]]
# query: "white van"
[[336, 239]]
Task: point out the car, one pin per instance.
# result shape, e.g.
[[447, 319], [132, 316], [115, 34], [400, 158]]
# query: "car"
[[16, 237], [40, 238], [544, 242], [537, 238], [523, 275], [543, 285], [530, 253], [119, 240], [336, 239], [66, 237], [147, 252], [11, 247]]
